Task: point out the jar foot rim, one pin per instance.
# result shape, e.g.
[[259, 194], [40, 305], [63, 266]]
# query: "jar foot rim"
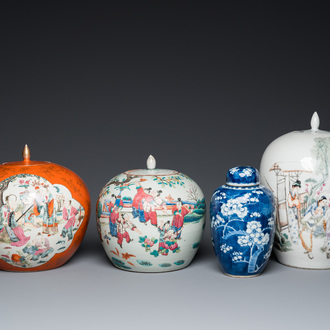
[[242, 276]]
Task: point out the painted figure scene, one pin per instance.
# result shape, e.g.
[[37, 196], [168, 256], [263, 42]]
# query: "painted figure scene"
[[37, 220], [303, 205], [136, 211]]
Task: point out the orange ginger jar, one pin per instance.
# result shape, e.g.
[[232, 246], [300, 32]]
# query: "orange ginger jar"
[[44, 212]]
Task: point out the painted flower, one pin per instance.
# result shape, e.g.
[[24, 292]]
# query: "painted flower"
[[16, 257], [265, 239], [233, 170], [148, 242], [248, 197], [259, 192], [255, 215], [245, 240], [262, 239], [246, 172], [217, 220], [233, 206], [253, 228], [237, 256], [221, 196], [225, 248]]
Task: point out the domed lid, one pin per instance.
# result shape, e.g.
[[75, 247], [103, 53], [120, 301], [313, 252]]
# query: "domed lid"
[[151, 169], [26, 160], [241, 176], [297, 151], [313, 132]]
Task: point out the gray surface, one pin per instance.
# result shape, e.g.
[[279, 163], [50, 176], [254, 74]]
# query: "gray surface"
[[201, 86]]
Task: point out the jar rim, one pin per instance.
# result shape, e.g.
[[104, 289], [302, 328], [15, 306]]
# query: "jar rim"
[[153, 172], [26, 163]]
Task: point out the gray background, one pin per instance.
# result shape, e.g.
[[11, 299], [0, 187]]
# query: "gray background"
[[203, 87]]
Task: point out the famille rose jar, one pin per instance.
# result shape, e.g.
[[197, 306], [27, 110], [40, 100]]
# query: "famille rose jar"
[[44, 212], [296, 167], [151, 220], [242, 223]]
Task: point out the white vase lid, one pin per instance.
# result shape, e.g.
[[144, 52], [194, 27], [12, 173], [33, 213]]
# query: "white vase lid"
[[151, 169]]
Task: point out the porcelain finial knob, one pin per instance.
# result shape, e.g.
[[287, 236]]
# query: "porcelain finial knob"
[[151, 163], [315, 122], [26, 153]]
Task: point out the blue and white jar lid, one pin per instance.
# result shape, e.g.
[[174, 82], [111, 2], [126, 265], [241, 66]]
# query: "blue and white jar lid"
[[241, 176]]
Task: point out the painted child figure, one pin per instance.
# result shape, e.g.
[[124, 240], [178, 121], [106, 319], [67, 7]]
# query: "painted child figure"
[[124, 223], [179, 212], [69, 215], [158, 200], [115, 205], [167, 239], [313, 216], [110, 205], [149, 213], [150, 205], [40, 248]]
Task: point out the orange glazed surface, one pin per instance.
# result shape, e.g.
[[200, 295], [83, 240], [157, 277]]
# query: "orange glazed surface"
[[55, 174]]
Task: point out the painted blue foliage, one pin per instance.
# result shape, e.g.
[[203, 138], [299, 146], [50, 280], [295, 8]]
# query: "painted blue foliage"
[[179, 262], [165, 265], [142, 239], [144, 263], [119, 263], [196, 245], [154, 253]]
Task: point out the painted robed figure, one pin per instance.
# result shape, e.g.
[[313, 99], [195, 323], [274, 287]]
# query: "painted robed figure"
[[44, 207]]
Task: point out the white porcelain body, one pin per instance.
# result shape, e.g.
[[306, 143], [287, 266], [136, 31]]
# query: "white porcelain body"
[[296, 167], [143, 236]]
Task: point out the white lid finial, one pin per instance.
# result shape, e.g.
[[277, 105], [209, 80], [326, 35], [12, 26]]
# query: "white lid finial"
[[151, 163], [315, 122]]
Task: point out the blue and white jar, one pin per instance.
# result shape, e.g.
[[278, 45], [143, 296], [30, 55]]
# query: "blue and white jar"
[[242, 223]]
